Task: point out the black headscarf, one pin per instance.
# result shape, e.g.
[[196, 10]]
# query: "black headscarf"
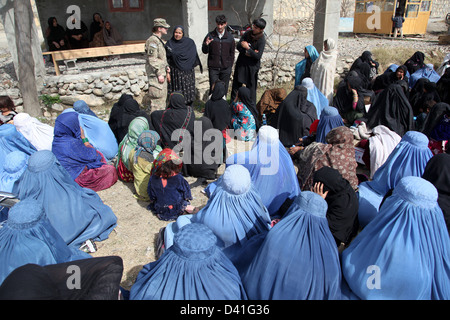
[[198, 166], [416, 62], [178, 115], [295, 116], [122, 113], [245, 96], [392, 109], [99, 280], [434, 117], [55, 33], [95, 26], [443, 86], [343, 99], [182, 53], [437, 171], [387, 78], [424, 91], [342, 213], [217, 109]]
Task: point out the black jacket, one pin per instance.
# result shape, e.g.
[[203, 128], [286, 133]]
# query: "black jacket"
[[220, 51]]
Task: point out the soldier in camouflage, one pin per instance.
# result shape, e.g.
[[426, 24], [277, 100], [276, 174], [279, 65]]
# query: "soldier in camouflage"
[[156, 67]]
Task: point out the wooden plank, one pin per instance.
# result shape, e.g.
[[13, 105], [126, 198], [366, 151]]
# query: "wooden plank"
[[97, 51], [444, 39]]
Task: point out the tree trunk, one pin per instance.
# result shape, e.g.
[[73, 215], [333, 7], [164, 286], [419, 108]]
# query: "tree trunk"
[[23, 20]]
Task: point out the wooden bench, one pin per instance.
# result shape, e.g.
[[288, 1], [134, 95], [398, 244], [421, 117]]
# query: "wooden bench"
[[126, 48]]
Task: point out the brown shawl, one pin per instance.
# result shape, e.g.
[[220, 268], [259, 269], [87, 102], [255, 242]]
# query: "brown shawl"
[[270, 100], [338, 153]]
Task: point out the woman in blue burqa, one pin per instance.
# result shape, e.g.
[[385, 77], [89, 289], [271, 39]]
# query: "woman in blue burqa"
[[29, 237], [298, 259], [404, 253], [193, 268], [12, 140], [77, 213], [234, 212], [271, 169], [409, 158]]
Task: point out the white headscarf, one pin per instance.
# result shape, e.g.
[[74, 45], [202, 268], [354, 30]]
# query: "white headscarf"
[[324, 69], [39, 134], [381, 144]]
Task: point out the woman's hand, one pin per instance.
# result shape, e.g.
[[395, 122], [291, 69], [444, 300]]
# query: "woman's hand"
[[318, 188]]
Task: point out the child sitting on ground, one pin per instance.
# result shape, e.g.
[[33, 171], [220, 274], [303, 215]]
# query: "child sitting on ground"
[[168, 190], [7, 109]]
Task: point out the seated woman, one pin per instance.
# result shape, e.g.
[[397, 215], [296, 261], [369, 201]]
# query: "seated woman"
[[442, 86], [111, 36], [82, 107], [217, 109], [295, 116], [403, 254], [234, 212], [364, 61], [8, 110], [122, 113], [437, 127], [391, 109], [78, 214], [342, 200], [13, 167], [427, 71], [269, 103], [85, 164], [129, 142], [39, 134], [100, 280], [78, 37], [315, 96], [177, 116], [303, 68], [271, 169], [415, 62], [141, 160], [97, 131], [245, 119], [300, 244], [194, 268], [409, 158], [12, 140], [96, 31], [393, 74], [338, 152], [437, 171], [330, 119], [349, 98], [56, 36], [29, 237]]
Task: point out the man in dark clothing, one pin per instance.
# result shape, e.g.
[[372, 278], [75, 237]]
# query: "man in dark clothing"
[[251, 48], [398, 24], [220, 46]]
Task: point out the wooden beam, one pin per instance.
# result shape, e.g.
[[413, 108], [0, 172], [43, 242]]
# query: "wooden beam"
[[97, 51]]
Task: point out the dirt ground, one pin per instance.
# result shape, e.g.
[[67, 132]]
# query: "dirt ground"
[[137, 228]]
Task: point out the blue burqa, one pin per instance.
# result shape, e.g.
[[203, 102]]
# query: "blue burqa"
[[234, 212], [11, 140], [329, 120], [29, 237], [315, 96], [298, 259], [404, 253], [271, 169], [77, 213], [68, 148], [426, 71], [82, 107], [409, 158], [99, 134], [193, 268]]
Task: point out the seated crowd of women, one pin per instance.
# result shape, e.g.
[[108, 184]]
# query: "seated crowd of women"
[[294, 204]]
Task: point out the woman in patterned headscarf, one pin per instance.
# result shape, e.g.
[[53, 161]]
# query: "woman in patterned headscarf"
[[338, 153], [141, 160]]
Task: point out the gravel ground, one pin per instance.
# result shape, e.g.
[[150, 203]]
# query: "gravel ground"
[[134, 237]]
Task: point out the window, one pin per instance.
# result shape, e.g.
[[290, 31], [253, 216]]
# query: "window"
[[412, 11], [425, 6], [126, 5], [215, 5]]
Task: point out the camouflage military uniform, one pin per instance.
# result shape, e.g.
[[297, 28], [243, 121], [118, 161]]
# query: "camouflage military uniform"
[[155, 65]]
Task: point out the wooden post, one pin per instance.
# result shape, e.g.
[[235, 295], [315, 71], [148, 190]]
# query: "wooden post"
[[23, 19]]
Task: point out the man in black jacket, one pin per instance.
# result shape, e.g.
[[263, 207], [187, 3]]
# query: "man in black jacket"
[[220, 46]]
